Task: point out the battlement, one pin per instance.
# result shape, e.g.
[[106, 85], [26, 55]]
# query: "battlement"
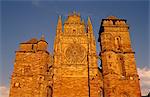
[[113, 21]]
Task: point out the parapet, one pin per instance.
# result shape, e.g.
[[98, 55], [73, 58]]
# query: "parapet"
[[33, 45]]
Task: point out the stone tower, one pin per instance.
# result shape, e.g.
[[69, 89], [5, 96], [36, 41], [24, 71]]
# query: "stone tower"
[[76, 72], [32, 74], [120, 76], [73, 70]]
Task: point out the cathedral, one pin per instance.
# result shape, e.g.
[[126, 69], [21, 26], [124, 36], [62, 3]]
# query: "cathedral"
[[72, 70]]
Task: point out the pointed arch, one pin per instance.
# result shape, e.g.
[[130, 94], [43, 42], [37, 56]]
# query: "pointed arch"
[[118, 42], [124, 95], [101, 92], [49, 91], [121, 65]]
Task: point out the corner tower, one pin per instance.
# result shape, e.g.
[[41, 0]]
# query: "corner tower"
[[118, 62], [75, 62]]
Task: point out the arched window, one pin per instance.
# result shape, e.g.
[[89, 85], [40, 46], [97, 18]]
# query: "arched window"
[[121, 65], [124, 95], [49, 91], [32, 46], [74, 30], [27, 70], [118, 42], [101, 92]]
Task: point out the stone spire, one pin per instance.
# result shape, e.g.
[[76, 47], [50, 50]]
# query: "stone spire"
[[89, 25], [58, 34], [59, 26], [91, 37]]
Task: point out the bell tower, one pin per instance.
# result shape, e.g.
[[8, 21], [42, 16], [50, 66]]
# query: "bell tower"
[[118, 62]]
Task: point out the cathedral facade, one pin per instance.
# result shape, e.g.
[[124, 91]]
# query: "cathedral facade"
[[72, 71]]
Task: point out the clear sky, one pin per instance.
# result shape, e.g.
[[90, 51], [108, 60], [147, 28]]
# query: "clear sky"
[[23, 20]]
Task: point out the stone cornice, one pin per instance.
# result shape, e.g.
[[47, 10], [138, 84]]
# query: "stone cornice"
[[116, 51]]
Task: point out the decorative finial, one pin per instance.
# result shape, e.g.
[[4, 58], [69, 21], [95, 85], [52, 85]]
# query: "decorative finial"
[[42, 37], [59, 16], [59, 24], [78, 14], [111, 17], [74, 12], [69, 14]]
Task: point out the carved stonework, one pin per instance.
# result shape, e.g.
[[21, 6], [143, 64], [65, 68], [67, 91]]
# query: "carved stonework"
[[30, 77], [117, 57], [72, 71], [124, 95], [75, 53]]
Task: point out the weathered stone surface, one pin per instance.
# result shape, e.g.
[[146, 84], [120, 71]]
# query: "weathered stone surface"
[[73, 70], [32, 75], [77, 74], [120, 78]]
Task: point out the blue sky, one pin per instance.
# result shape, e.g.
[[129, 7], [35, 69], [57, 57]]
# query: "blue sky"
[[23, 20]]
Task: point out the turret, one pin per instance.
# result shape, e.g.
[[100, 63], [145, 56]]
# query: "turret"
[[42, 44]]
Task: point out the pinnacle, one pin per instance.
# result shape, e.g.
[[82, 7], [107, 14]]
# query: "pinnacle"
[[59, 17], [82, 21], [42, 37], [89, 24], [74, 13], [89, 21], [59, 25]]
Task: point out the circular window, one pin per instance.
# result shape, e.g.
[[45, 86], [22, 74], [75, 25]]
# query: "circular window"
[[75, 53]]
